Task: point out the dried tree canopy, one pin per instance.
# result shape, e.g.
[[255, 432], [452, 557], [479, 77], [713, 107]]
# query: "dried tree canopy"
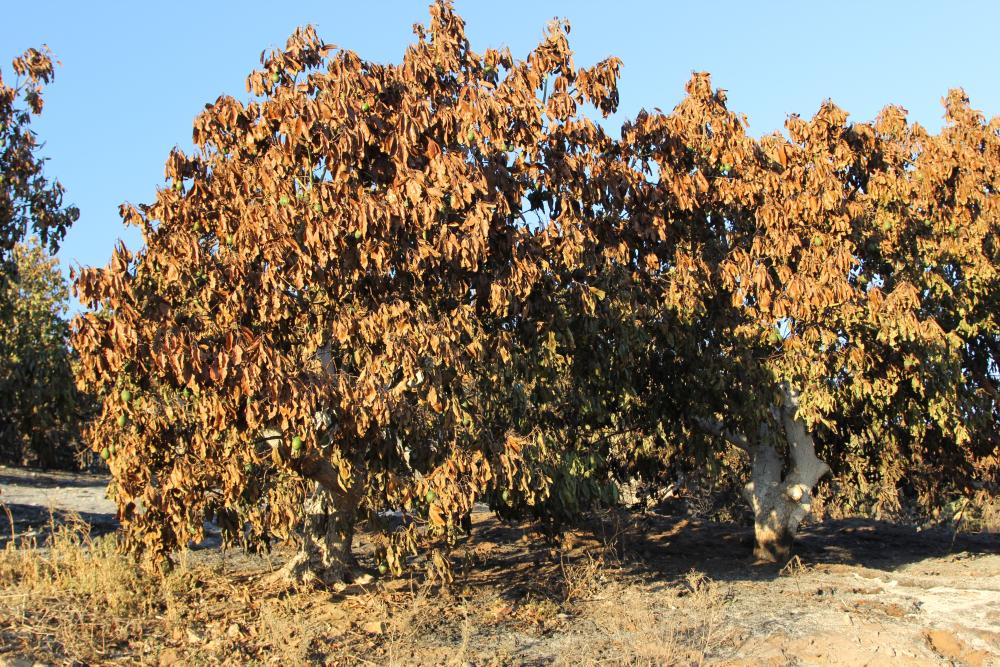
[[858, 262], [345, 261], [442, 280]]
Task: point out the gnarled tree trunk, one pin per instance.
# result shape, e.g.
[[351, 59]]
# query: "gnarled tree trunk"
[[780, 502], [325, 556], [329, 516]]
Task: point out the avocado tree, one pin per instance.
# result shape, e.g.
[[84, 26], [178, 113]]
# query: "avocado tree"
[[825, 299], [38, 401], [30, 204], [411, 287], [323, 320], [41, 411]]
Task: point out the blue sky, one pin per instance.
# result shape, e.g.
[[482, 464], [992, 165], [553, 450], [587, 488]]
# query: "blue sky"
[[135, 74]]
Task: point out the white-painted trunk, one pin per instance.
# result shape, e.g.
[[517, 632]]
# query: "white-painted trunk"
[[780, 501]]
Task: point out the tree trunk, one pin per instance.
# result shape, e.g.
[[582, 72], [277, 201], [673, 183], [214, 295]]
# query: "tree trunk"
[[325, 556], [330, 513], [779, 502]]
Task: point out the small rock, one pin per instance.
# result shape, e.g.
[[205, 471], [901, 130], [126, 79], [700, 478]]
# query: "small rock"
[[335, 613], [945, 643], [16, 662], [168, 657], [374, 627]]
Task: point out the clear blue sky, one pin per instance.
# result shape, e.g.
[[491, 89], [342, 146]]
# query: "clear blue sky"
[[135, 74]]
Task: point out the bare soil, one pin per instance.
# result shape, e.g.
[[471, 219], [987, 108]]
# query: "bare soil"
[[32, 496], [630, 588]]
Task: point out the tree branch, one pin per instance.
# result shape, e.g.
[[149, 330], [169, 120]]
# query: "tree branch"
[[717, 428], [807, 468]]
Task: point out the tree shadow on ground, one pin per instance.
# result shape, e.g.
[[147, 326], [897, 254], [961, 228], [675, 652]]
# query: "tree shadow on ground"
[[34, 522], [668, 549], [48, 479], [661, 547]]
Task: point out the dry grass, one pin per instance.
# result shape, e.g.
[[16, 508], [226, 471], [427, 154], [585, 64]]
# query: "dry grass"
[[981, 514], [76, 600], [634, 623]]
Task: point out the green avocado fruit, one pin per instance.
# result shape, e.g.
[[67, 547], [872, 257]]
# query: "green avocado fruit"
[[122, 421], [296, 444], [126, 395], [431, 496], [105, 454]]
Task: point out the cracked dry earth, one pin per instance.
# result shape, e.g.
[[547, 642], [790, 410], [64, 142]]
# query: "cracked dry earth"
[[859, 593], [935, 611], [633, 588]]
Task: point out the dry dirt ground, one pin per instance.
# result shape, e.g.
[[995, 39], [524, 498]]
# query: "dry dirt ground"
[[644, 589]]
